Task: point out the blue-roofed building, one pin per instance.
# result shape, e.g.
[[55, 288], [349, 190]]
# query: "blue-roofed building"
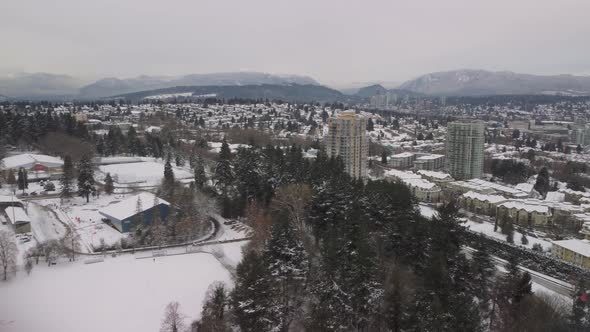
[[124, 214]]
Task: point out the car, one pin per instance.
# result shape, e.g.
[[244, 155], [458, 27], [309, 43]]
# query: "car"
[[25, 194], [34, 193]]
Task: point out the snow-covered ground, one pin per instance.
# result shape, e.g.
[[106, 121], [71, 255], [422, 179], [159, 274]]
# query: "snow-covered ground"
[[427, 211], [119, 294], [488, 229], [147, 173], [85, 220]]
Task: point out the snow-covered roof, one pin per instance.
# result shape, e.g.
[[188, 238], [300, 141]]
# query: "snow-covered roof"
[[581, 247], [526, 187], [522, 205], [401, 175], [555, 196], [29, 159], [9, 199], [483, 185], [419, 183], [430, 157], [483, 197], [16, 215], [435, 174], [128, 207], [403, 155]]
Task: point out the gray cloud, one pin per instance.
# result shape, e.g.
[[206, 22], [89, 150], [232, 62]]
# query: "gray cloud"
[[334, 41]]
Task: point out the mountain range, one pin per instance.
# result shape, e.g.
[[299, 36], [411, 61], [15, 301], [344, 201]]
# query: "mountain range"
[[287, 92], [465, 82], [51, 86], [470, 82]]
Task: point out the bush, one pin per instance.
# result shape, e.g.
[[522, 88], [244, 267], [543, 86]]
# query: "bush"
[[524, 240], [49, 186], [537, 247]]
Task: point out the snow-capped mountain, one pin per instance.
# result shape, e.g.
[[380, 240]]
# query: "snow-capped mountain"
[[468, 82]]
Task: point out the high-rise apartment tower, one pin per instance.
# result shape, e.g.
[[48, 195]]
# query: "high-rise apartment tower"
[[347, 138], [464, 145]]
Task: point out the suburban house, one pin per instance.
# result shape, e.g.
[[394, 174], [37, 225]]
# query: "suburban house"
[[574, 251], [125, 214], [38, 166]]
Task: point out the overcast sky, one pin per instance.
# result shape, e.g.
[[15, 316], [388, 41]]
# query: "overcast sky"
[[334, 41]]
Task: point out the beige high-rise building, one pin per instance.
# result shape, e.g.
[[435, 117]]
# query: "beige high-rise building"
[[464, 145], [347, 138]]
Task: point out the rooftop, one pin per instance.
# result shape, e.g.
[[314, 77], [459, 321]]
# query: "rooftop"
[[29, 158], [581, 247], [128, 207], [484, 197]]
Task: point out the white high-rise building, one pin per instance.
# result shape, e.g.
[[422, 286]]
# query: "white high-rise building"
[[464, 145], [347, 138]]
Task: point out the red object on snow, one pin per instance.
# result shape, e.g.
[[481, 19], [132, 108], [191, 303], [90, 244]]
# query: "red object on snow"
[[584, 297]]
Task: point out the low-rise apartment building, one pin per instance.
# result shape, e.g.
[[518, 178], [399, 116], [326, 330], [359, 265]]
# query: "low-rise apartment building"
[[574, 251], [423, 190]]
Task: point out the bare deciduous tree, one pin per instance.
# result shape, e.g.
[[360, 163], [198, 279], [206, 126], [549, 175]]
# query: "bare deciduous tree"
[[8, 251], [70, 244], [295, 199], [173, 319]]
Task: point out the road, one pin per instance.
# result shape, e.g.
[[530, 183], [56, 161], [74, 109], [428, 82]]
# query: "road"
[[557, 286]]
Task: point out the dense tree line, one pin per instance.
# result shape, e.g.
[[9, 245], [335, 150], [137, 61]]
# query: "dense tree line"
[[352, 256]]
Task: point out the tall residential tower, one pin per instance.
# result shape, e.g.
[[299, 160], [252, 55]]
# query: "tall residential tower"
[[464, 145], [347, 138]]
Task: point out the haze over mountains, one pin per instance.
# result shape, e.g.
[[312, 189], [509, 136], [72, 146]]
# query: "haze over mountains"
[[470, 82], [41, 85], [465, 82]]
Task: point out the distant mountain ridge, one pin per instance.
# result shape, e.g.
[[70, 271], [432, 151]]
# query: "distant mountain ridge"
[[112, 86], [41, 85], [52, 86], [471, 82], [286, 92]]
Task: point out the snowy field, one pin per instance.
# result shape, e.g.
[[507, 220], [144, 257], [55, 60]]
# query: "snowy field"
[[488, 229], [147, 173], [119, 294]]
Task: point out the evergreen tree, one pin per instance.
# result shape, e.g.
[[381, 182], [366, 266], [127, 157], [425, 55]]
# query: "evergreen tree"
[[483, 272], [251, 297], [287, 265], [108, 184], [384, 157], [370, 125], [168, 181], [85, 178], [200, 175], [67, 177], [22, 179], [542, 184], [213, 314], [224, 175]]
